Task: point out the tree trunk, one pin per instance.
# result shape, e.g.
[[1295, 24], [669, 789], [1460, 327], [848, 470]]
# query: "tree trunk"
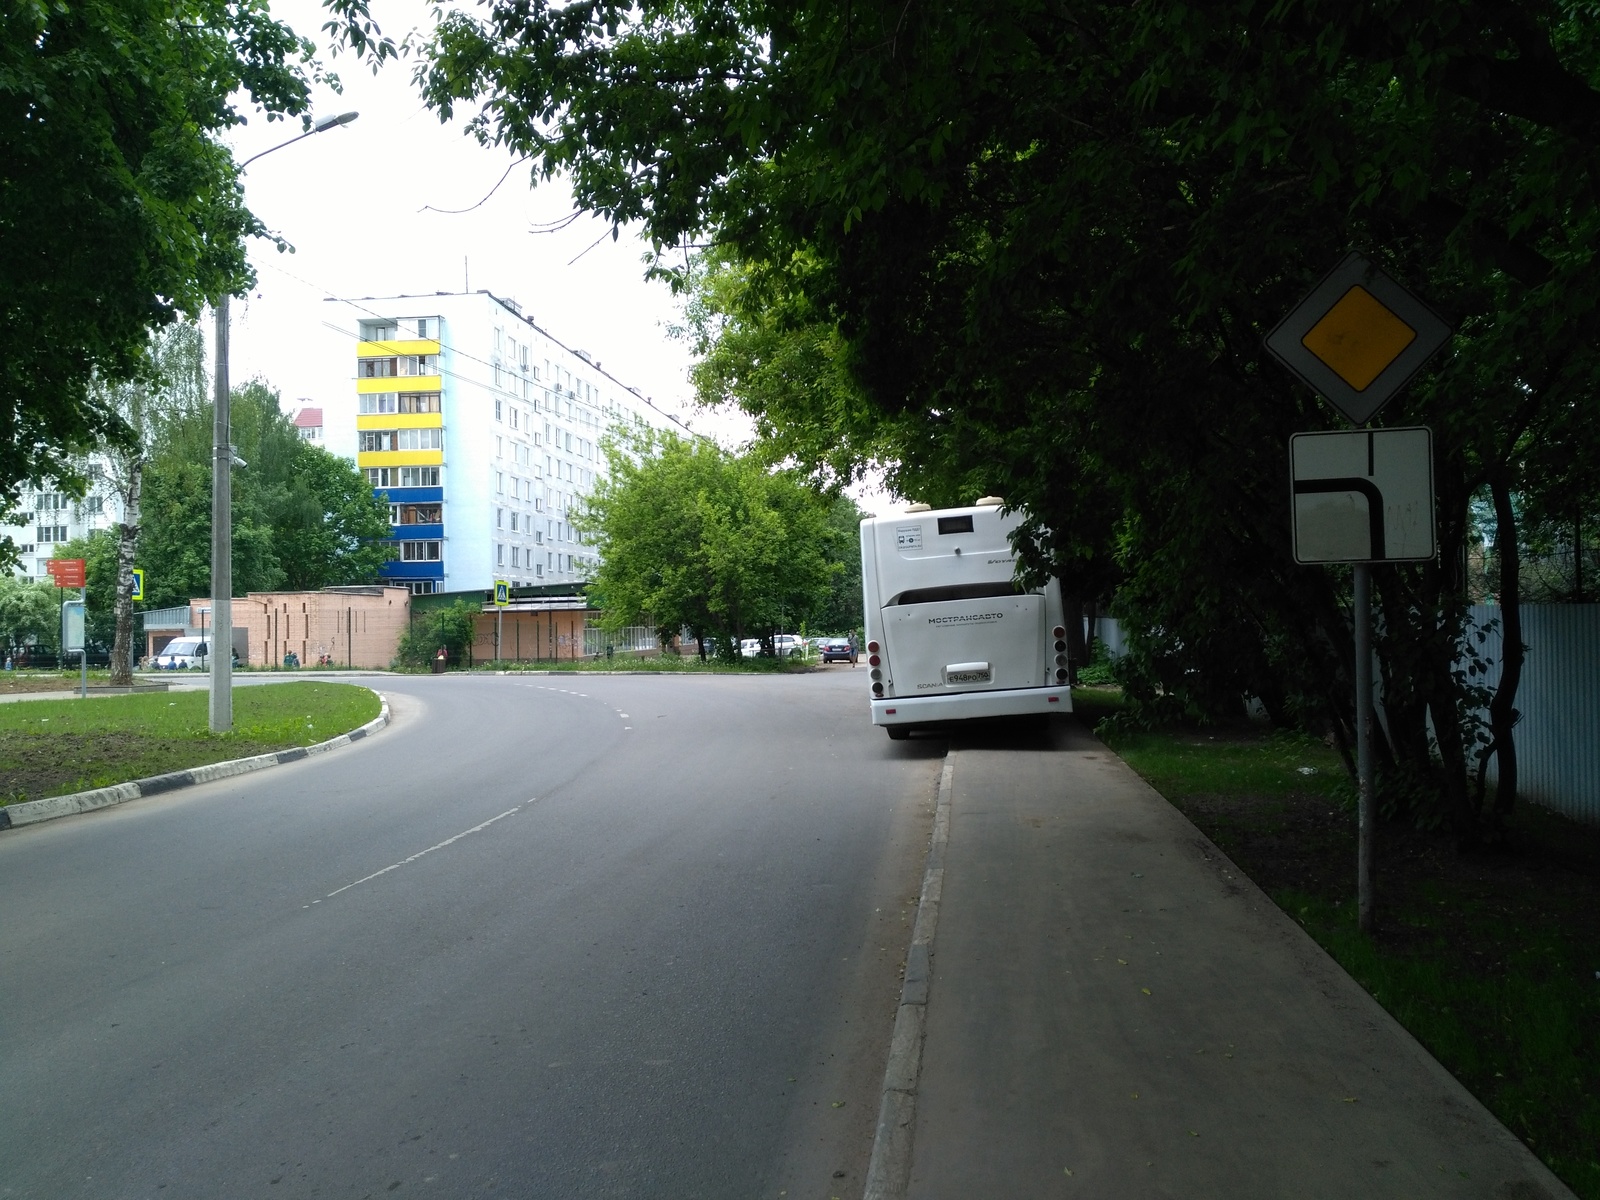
[[1502, 709], [127, 534]]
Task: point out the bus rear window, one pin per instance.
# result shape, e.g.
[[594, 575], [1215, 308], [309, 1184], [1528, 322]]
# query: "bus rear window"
[[955, 591], [956, 524]]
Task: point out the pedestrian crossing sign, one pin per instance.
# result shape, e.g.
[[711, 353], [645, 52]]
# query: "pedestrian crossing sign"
[[502, 593]]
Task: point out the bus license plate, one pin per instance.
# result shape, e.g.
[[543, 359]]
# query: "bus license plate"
[[968, 677]]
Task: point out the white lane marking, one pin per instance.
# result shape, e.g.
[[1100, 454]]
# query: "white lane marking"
[[420, 853], [624, 716]]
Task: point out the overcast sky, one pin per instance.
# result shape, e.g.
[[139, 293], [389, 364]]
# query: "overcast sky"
[[359, 204]]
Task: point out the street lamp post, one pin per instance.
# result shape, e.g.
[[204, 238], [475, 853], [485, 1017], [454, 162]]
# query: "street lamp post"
[[222, 493]]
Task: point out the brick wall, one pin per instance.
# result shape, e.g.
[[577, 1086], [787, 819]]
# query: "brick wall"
[[360, 629]]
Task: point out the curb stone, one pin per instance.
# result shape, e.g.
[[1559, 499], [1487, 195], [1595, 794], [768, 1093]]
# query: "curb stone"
[[889, 1171], [34, 811]]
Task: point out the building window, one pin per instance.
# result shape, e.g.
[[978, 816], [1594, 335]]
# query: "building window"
[[418, 364], [420, 551], [424, 327], [499, 554], [419, 402], [378, 331], [516, 557], [513, 527], [499, 518], [499, 448], [500, 483], [377, 368], [378, 402], [419, 476], [497, 404], [538, 569], [423, 587], [371, 440], [50, 534], [422, 439], [416, 514]]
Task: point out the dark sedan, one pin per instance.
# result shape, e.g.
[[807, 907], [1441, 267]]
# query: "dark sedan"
[[837, 650]]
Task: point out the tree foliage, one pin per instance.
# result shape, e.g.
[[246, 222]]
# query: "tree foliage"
[[1042, 244], [119, 207], [691, 536], [450, 626], [30, 614]]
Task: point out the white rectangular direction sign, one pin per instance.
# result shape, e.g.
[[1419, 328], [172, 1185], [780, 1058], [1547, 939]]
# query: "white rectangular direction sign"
[[1363, 495]]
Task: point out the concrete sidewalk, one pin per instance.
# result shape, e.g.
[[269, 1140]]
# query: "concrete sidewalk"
[[1114, 1011]]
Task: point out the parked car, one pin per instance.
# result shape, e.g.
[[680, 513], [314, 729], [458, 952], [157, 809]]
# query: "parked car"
[[749, 648], [838, 650], [788, 645], [181, 654]]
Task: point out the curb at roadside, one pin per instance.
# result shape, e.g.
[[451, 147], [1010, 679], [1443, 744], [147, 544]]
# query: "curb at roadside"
[[889, 1171], [33, 811]]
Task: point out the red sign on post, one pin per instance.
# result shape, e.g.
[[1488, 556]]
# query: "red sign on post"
[[67, 572]]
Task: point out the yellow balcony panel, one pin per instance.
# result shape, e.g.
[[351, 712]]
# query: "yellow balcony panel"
[[400, 458], [392, 349], [400, 421], [401, 383]]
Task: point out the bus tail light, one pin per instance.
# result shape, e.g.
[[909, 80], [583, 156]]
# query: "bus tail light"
[[873, 647], [1058, 632], [874, 661], [1061, 660], [1061, 675], [1060, 645]]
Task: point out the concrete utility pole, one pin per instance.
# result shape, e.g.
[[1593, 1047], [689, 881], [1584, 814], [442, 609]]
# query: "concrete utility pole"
[[221, 537], [222, 494]]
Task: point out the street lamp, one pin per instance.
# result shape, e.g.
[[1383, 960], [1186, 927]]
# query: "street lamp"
[[222, 491]]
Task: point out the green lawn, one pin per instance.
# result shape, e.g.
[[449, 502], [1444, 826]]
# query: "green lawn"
[[53, 747], [1491, 960]]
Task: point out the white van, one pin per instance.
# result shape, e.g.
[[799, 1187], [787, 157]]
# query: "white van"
[[950, 636], [182, 654]]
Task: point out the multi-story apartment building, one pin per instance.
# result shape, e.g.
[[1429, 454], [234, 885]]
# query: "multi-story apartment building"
[[481, 429], [48, 517]]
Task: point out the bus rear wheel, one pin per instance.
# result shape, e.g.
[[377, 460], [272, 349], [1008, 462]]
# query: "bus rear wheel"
[[898, 733]]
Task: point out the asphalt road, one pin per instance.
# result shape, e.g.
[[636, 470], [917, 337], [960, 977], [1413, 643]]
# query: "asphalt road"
[[542, 937]]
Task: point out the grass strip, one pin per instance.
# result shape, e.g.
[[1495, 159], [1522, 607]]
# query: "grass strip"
[[1491, 960], [55, 747]]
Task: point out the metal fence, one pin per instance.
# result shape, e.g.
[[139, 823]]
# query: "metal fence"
[[1558, 737], [633, 638]]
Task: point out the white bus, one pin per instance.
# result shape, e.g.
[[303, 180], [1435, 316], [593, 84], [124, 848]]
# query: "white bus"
[[950, 636]]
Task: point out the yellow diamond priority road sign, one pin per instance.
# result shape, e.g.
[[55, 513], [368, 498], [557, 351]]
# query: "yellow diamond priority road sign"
[[1358, 338]]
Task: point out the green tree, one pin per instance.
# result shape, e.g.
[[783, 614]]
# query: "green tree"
[[302, 517], [119, 206], [450, 626], [30, 614], [692, 536]]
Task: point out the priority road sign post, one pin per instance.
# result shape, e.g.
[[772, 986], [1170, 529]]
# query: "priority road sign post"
[[1356, 340]]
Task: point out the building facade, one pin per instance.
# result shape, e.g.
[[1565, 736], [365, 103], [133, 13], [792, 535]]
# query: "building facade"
[[482, 430], [47, 517]]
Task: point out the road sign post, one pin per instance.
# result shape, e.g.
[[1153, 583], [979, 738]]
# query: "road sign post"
[[502, 597], [1361, 496]]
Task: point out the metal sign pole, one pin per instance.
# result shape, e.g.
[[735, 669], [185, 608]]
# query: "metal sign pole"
[[1365, 815], [83, 650]]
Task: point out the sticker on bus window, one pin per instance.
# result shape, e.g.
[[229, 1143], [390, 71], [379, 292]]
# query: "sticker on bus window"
[[908, 537]]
